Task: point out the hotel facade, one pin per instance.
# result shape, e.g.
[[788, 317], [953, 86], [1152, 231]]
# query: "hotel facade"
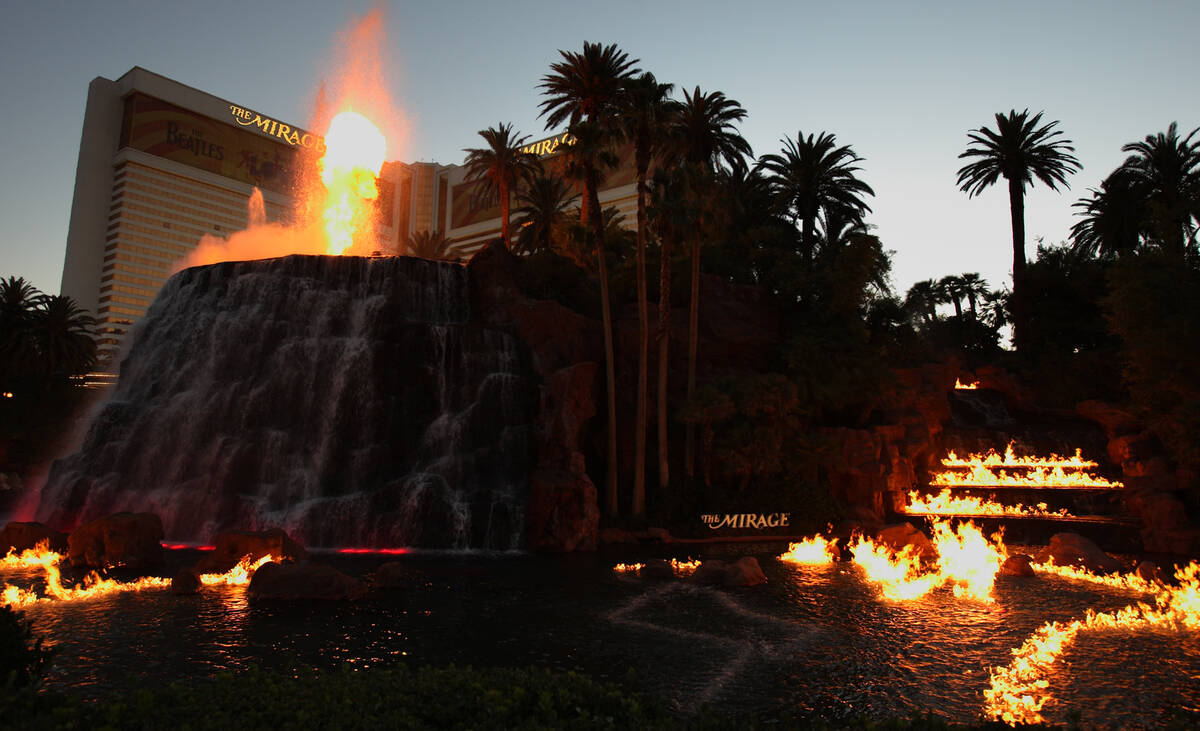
[[162, 164]]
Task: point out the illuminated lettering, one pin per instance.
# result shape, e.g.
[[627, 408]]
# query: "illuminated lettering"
[[756, 521]]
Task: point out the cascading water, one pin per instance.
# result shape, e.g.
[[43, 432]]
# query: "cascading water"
[[351, 401]]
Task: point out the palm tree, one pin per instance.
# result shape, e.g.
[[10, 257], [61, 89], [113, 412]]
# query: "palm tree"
[[704, 131], [64, 336], [974, 288], [813, 175], [1019, 150], [645, 114], [19, 303], [542, 212], [500, 167], [922, 298], [951, 291], [1114, 217], [428, 245], [1167, 169], [584, 89]]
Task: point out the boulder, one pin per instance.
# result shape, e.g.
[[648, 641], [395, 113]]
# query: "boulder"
[[1017, 564], [562, 513], [19, 536], [130, 540], [1114, 421], [185, 582], [1165, 526], [1150, 572], [610, 536], [232, 546], [392, 575], [303, 581], [900, 535], [1132, 448], [744, 572], [1072, 549]]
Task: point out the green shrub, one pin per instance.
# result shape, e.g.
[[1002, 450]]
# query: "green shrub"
[[23, 659]]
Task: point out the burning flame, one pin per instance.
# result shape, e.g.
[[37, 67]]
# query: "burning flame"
[[966, 560], [94, 586], [1125, 582], [979, 470], [1017, 692], [814, 551], [960, 386], [681, 568], [631, 568], [945, 504], [354, 152]]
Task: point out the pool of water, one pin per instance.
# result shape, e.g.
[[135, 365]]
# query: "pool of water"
[[813, 641]]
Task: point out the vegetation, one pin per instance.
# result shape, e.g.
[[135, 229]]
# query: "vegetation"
[[499, 168]]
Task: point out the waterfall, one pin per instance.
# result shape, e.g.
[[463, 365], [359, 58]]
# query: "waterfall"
[[350, 401]]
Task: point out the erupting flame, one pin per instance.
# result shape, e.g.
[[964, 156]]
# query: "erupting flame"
[[816, 551], [986, 470], [1017, 692], [945, 504], [960, 386], [354, 153], [94, 586], [966, 560]]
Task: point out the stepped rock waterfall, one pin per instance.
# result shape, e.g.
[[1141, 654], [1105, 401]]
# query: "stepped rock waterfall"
[[350, 401]]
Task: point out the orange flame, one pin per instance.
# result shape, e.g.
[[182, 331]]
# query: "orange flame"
[[945, 504], [631, 568], [967, 561], [239, 575], [354, 152], [985, 470], [1017, 692], [960, 386], [813, 551]]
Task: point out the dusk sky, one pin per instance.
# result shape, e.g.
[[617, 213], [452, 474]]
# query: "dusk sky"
[[900, 82]]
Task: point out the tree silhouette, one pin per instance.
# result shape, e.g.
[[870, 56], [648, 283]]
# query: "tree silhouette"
[[1019, 150], [499, 168], [584, 89], [542, 212], [64, 337], [1114, 217], [704, 132], [428, 245], [1167, 171]]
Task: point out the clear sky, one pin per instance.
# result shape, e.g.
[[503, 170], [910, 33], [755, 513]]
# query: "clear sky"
[[901, 82]]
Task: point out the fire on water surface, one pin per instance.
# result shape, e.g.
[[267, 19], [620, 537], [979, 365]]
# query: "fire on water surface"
[[40, 557]]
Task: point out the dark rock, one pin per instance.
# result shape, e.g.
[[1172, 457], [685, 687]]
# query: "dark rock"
[[1017, 564], [616, 536], [1150, 572], [130, 540], [662, 535], [1165, 526], [303, 581], [1114, 421], [392, 575], [1072, 549], [658, 569], [562, 513], [20, 536], [898, 536], [232, 546], [744, 572], [185, 582]]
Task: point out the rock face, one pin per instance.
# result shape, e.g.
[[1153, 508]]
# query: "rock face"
[[1017, 564], [124, 539], [900, 536], [1072, 549], [19, 536], [392, 575], [746, 571], [350, 401], [303, 581], [185, 583], [232, 546]]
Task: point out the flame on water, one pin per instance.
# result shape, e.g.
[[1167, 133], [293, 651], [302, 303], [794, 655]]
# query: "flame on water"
[[960, 386], [354, 152], [631, 568], [967, 561], [816, 550], [1017, 691], [946, 504], [1125, 582], [680, 568], [94, 586], [988, 470]]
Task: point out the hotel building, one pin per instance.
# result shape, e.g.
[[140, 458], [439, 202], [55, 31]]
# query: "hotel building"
[[162, 164]]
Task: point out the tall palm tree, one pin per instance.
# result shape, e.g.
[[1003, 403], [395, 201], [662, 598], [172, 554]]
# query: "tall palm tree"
[[1114, 217], [951, 291], [922, 298], [704, 131], [646, 109], [812, 175], [584, 89], [974, 288], [428, 245], [1167, 169], [1019, 150], [64, 336], [19, 303], [499, 168], [542, 211]]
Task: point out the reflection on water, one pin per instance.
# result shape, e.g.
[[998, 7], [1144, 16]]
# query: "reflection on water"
[[814, 641]]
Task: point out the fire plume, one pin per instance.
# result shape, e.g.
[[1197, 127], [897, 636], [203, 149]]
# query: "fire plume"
[[30, 558], [354, 153], [960, 386], [967, 561], [813, 551], [239, 575], [946, 504], [1017, 692]]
